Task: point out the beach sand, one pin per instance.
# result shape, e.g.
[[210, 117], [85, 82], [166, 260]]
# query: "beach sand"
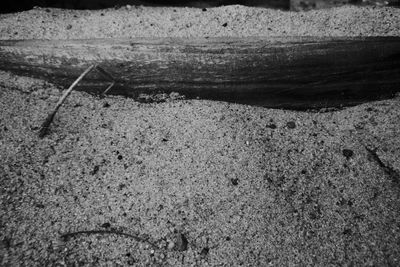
[[195, 183]]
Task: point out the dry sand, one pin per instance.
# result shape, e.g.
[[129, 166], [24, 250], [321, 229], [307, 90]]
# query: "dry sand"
[[200, 183], [236, 21]]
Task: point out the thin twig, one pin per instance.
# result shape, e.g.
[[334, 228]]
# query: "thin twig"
[[107, 75], [388, 170], [108, 88], [46, 124], [90, 232]]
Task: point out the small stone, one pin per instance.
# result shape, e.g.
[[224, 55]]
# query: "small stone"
[[204, 252], [106, 225], [313, 215], [347, 153], [347, 231], [69, 27], [171, 245], [225, 24], [235, 181], [204, 9], [129, 7], [95, 170], [131, 261], [181, 242], [40, 206], [291, 124], [91, 106]]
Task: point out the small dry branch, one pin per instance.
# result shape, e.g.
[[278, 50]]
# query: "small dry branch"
[[108, 88], [395, 177], [46, 124], [105, 73], [108, 76]]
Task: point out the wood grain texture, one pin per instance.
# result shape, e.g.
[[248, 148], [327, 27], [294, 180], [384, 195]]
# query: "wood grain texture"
[[296, 72]]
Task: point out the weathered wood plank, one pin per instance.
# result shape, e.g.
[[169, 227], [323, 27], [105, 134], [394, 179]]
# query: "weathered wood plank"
[[300, 72]]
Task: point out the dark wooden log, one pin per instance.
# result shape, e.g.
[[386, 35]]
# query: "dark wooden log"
[[295, 72]]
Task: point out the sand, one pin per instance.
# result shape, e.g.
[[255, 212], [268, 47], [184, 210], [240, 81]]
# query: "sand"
[[234, 21], [195, 183]]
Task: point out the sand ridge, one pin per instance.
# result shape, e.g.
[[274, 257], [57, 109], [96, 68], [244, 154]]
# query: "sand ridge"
[[233, 21], [241, 185], [207, 183]]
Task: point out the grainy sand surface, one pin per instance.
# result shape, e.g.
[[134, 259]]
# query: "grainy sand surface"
[[237, 21], [195, 183]]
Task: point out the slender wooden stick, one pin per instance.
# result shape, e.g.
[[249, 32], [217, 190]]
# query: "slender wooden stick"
[[108, 88], [46, 124], [395, 177], [107, 75]]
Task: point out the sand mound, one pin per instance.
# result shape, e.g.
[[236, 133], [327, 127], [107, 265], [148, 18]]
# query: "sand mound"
[[195, 183]]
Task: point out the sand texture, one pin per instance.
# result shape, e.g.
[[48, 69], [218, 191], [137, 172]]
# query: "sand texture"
[[195, 183], [244, 185], [235, 21]]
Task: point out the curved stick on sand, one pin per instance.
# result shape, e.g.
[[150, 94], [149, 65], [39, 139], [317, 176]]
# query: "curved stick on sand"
[[46, 124]]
